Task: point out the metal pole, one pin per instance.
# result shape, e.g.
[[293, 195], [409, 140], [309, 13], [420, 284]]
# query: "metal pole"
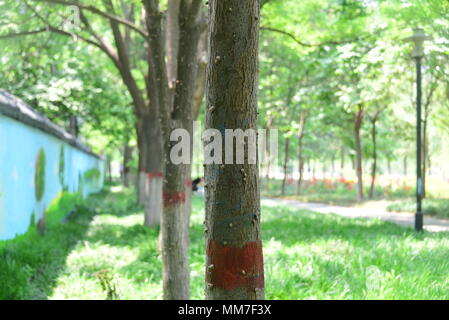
[[419, 186]]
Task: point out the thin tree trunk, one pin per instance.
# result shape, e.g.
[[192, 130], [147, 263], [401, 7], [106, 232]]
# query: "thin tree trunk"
[[333, 165], [313, 169], [142, 146], [424, 156], [268, 154], [358, 119], [109, 165], [405, 166], [286, 151], [127, 155], [200, 83], [302, 122], [323, 169], [176, 113], [374, 164], [234, 266], [342, 161]]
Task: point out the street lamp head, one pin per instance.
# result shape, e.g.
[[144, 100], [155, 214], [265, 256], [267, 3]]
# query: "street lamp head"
[[418, 39]]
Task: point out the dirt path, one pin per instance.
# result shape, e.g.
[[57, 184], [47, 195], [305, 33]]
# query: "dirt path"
[[403, 219]]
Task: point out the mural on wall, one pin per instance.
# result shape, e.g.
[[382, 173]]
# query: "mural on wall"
[[39, 188], [61, 167], [38, 163]]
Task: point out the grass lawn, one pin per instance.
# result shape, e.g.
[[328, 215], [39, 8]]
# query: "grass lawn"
[[307, 256], [432, 207], [399, 196]]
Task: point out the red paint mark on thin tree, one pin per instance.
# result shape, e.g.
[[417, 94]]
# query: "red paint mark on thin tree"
[[230, 267], [154, 174], [173, 198]]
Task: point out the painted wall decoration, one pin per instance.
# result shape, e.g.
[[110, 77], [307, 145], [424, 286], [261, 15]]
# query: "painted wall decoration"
[[38, 161]]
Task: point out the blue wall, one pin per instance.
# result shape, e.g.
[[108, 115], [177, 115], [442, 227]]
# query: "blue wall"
[[20, 145]]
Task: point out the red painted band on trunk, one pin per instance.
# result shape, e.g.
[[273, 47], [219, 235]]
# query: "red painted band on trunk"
[[189, 183], [154, 175], [173, 198], [230, 267]]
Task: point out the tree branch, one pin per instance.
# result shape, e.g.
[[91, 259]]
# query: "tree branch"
[[24, 33], [97, 11], [304, 44]]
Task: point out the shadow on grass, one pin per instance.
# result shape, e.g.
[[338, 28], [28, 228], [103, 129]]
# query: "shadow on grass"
[[31, 264]]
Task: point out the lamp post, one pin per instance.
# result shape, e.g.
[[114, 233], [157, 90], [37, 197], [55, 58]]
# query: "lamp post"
[[418, 39]]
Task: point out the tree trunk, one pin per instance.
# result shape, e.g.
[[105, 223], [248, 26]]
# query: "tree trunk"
[[374, 165], [302, 122], [313, 169], [141, 146], [332, 165], [73, 125], [234, 266], [358, 119], [405, 166], [342, 161], [200, 83], [127, 155], [425, 150], [323, 169], [286, 151], [151, 177], [175, 105], [268, 154], [109, 167]]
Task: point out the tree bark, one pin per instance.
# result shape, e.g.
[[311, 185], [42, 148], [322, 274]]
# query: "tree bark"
[[234, 266], [127, 155], [286, 152], [200, 83], [358, 119], [342, 161], [405, 166], [175, 104], [374, 164], [425, 150], [151, 174], [268, 154], [302, 122]]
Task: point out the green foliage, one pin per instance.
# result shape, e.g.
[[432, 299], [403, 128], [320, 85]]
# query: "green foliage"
[[92, 174], [108, 285], [39, 176], [30, 262]]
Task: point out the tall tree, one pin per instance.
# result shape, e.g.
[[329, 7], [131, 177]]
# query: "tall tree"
[[234, 267]]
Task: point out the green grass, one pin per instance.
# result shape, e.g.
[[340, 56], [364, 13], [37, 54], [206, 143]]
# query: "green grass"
[[30, 263], [433, 207], [307, 256], [397, 197]]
